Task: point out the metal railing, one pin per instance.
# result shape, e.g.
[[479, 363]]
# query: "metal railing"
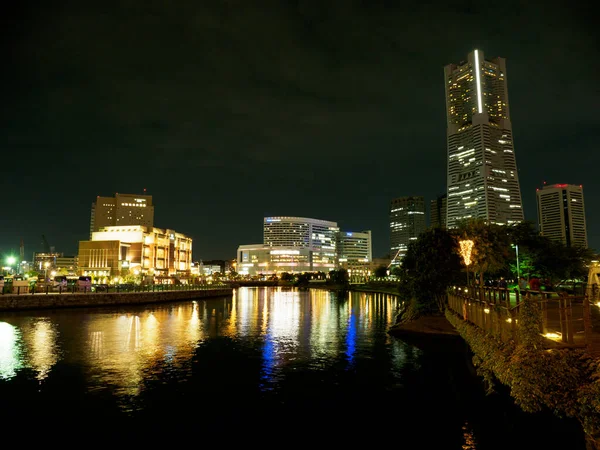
[[105, 289], [565, 319]]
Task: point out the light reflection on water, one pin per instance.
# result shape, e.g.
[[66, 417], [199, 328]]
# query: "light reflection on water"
[[32, 345], [264, 356], [121, 351]]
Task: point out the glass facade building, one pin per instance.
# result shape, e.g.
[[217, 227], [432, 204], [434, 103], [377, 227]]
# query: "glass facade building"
[[291, 244], [561, 214], [407, 222], [437, 212], [482, 177]]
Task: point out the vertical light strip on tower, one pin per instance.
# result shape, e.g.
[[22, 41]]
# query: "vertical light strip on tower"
[[478, 81]]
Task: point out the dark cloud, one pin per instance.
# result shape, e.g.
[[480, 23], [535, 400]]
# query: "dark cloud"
[[228, 111]]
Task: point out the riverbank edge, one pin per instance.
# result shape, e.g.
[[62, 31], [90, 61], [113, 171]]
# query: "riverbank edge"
[[373, 290], [566, 381], [424, 326], [56, 301]]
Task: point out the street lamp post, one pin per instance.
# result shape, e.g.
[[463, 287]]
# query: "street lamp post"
[[516, 246]]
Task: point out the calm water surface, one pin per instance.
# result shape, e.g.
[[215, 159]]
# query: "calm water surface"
[[271, 367]]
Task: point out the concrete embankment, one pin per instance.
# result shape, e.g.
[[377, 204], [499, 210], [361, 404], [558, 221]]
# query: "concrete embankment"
[[425, 325], [51, 301]]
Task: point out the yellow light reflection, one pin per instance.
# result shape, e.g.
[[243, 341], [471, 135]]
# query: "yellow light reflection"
[[324, 338], [42, 346], [468, 438], [194, 332]]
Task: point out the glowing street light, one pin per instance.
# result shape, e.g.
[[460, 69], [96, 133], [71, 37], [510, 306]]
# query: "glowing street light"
[[516, 247], [466, 249], [10, 261], [46, 265]]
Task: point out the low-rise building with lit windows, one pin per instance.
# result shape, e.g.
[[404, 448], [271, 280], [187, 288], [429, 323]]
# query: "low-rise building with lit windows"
[[117, 251], [255, 259], [67, 264]]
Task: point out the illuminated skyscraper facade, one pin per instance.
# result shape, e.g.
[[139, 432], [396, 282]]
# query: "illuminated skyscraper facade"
[[407, 222], [482, 176], [561, 214]]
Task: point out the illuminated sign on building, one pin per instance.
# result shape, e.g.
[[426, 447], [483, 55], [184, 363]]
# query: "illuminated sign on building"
[[285, 252]]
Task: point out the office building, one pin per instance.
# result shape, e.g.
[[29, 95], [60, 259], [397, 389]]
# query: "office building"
[[122, 209], [255, 259], [561, 214], [354, 250], [151, 253], [354, 247], [67, 263], [482, 177], [319, 236], [437, 213], [291, 244], [407, 222]]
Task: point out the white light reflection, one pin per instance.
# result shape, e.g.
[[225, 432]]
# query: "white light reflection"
[[281, 338], [11, 355]]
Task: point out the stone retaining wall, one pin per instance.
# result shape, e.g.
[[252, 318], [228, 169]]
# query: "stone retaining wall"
[[23, 302]]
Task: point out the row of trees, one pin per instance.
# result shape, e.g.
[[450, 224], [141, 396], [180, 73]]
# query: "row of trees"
[[433, 262], [334, 277]]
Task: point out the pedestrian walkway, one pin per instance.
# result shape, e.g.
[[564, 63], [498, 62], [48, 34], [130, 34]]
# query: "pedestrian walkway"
[[565, 321]]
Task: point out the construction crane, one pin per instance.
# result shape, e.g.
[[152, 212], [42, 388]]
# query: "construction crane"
[[47, 248], [394, 258]]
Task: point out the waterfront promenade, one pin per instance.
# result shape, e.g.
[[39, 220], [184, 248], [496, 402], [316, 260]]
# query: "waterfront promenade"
[[566, 321], [138, 295]]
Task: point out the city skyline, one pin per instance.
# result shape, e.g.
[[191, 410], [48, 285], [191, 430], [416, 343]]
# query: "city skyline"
[[231, 114]]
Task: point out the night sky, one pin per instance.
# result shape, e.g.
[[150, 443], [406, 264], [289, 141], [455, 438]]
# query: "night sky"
[[230, 111]]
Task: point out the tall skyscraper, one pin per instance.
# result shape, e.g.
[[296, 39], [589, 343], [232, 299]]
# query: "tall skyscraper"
[[437, 212], [482, 172], [122, 209], [561, 214], [407, 221]]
